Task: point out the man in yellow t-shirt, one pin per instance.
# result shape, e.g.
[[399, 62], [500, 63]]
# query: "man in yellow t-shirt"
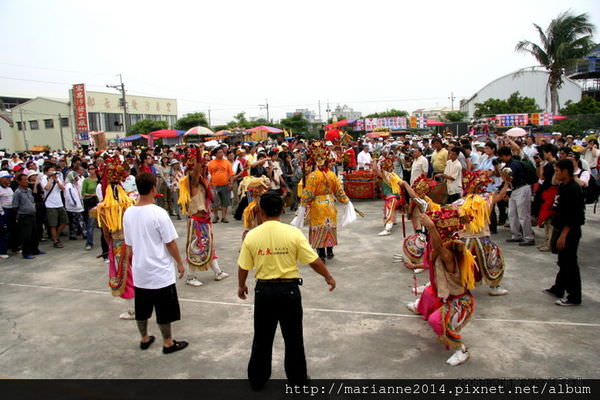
[[439, 156], [273, 249]]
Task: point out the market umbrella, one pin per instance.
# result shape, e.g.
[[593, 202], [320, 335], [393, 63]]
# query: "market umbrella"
[[263, 128], [200, 131], [516, 132], [558, 117], [343, 122], [165, 133], [377, 134], [432, 122], [224, 132]]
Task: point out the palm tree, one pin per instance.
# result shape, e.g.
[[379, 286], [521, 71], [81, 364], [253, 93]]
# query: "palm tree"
[[567, 39]]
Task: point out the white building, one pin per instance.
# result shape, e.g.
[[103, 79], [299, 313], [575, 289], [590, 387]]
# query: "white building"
[[431, 113], [529, 82], [345, 112], [310, 116]]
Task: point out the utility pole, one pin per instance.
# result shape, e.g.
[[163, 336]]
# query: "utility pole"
[[320, 111], [24, 127], [266, 105], [62, 139], [452, 99], [123, 102], [327, 110], [209, 121]]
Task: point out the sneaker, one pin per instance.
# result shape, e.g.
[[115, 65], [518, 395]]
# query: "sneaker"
[[4, 256], [566, 303], [106, 260], [221, 276], [527, 243], [384, 232], [194, 282], [511, 240], [58, 245], [421, 289], [418, 270], [224, 220], [412, 306], [28, 257], [128, 315], [460, 356], [498, 291], [88, 247], [543, 248], [215, 220], [40, 252]]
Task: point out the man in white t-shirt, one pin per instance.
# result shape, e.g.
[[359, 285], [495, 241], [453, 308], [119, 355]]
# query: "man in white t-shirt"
[[151, 236], [364, 159], [420, 165], [453, 175], [56, 214]]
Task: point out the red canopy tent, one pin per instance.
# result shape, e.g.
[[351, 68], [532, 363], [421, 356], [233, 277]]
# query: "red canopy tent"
[[263, 128], [164, 133], [432, 122], [343, 122]]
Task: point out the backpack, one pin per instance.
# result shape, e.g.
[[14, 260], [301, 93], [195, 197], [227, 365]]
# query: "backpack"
[[592, 191], [530, 172]]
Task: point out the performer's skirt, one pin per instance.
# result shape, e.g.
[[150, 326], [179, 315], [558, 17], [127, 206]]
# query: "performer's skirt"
[[120, 279], [200, 249], [390, 205], [322, 236], [490, 261], [446, 318]]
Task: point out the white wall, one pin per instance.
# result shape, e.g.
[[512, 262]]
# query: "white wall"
[[528, 84]]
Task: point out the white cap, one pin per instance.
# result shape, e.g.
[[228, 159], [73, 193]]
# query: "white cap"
[[328, 143], [5, 174]]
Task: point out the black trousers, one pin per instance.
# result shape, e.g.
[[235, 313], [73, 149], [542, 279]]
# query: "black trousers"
[[28, 234], [568, 278], [277, 303]]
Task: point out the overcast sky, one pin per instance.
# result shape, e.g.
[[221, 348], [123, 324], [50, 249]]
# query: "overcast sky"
[[232, 55]]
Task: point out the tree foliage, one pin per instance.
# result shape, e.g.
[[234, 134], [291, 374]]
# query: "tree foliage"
[[390, 113], [296, 123], [146, 126], [587, 105], [513, 105], [190, 121], [455, 116], [567, 39]]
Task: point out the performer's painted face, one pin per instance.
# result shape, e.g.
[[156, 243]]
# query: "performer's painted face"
[[320, 162]]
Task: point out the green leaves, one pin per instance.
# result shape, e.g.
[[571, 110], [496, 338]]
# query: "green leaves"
[[190, 121], [146, 126]]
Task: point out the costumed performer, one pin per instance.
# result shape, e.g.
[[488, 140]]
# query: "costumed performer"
[[447, 304], [321, 190], [394, 196], [109, 214], [477, 206], [253, 187], [195, 198]]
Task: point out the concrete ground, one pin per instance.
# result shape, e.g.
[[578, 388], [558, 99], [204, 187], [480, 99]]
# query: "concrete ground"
[[58, 319]]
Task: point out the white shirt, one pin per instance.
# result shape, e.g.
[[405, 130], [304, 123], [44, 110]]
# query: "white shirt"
[[363, 159], [147, 230], [475, 156], [53, 200], [420, 166], [583, 176], [591, 156], [6, 197], [530, 151], [453, 169]]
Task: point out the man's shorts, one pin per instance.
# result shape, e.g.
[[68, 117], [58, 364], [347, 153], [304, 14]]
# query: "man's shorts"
[[222, 195], [164, 300], [57, 216]]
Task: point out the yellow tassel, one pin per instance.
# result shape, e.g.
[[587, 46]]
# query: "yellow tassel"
[[431, 205], [110, 211], [393, 181], [249, 214], [477, 208], [467, 269], [184, 194]]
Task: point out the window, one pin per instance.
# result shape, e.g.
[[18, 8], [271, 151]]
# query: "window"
[[48, 123], [64, 122], [94, 121], [34, 125], [114, 122], [19, 126]]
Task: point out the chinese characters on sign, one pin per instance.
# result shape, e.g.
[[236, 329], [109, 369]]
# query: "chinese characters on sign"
[[80, 111]]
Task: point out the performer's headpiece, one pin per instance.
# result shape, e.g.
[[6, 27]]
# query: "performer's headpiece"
[[194, 156], [423, 185], [387, 164], [318, 154], [257, 186], [114, 169], [448, 222], [476, 181]]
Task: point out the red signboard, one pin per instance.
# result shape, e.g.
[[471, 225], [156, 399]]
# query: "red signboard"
[[80, 110]]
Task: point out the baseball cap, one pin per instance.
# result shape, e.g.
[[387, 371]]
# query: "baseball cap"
[[174, 161], [5, 174], [32, 173]]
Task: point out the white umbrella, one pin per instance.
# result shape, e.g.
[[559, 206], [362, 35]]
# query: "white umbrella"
[[200, 131], [516, 132]]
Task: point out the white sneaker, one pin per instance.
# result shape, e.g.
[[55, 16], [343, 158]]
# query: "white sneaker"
[[384, 232], [412, 306], [106, 260], [498, 291], [194, 282], [4, 256], [418, 270], [128, 315], [88, 247], [421, 289], [221, 276], [460, 356]]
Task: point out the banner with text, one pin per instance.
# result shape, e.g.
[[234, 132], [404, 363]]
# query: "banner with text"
[[80, 111]]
